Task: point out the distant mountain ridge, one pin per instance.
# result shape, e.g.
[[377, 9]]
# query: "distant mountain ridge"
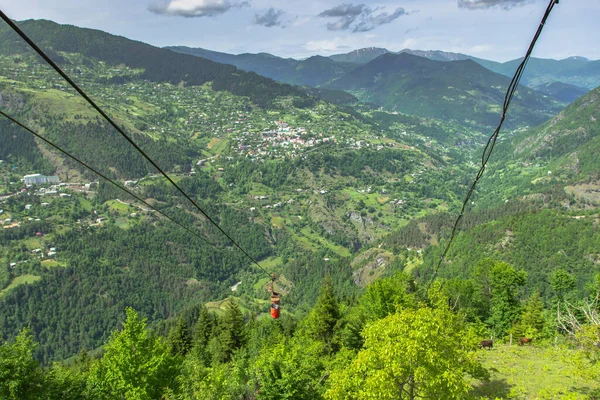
[[313, 71], [360, 56], [576, 70], [460, 90], [561, 91], [316, 70]]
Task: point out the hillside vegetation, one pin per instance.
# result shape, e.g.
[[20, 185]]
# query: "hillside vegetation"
[[159, 65], [457, 90]]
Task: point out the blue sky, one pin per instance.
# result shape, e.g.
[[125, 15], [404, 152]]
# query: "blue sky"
[[493, 29]]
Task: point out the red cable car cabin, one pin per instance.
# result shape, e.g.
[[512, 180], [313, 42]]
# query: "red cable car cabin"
[[275, 297]]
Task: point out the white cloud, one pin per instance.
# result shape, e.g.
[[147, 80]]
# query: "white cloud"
[[196, 8], [481, 48], [481, 4]]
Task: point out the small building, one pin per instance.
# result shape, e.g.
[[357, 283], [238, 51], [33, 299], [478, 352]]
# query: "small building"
[[28, 206], [39, 179]]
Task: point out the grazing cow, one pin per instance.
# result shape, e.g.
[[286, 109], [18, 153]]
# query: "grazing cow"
[[486, 343], [524, 340]]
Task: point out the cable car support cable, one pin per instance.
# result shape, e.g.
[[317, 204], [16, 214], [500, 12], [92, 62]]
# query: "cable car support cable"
[[15, 121], [491, 143], [42, 54]]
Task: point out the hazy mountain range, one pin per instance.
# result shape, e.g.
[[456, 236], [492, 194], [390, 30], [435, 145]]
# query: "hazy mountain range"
[[314, 71]]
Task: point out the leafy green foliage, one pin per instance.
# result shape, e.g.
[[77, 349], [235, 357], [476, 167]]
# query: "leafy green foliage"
[[505, 306], [537, 242], [135, 365], [381, 298], [291, 370], [231, 334], [20, 375], [562, 283], [407, 355], [532, 321], [323, 318]]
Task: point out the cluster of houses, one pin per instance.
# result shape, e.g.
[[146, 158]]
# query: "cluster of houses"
[[283, 141], [40, 254]]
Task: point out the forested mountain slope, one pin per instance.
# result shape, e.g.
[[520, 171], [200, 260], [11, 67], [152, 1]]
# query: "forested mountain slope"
[[561, 153], [313, 71], [159, 65], [458, 90], [538, 236]]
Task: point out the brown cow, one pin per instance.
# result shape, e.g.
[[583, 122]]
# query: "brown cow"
[[486, 343], [525, 340]]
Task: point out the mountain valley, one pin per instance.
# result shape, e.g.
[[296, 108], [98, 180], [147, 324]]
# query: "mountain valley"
[[342, 176]]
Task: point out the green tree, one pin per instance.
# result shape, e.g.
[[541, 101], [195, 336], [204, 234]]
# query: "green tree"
[[320, 323], [482, 296], [291, 369], [382, 298], [532, 321], [562, 283], [221, 381], [422, 353], [203, 332], [65, 382], [180, 339], [135, 365], [20, 375], [505, 282], [231, 335]]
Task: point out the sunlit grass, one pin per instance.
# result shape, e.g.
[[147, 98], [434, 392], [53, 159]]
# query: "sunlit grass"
[[531, 372]]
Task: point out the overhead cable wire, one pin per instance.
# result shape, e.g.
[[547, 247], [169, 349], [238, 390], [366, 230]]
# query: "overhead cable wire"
[[37, 135], [491, 143], [42, 54]]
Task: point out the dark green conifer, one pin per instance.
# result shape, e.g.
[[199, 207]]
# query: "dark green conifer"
[[180, 339]]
